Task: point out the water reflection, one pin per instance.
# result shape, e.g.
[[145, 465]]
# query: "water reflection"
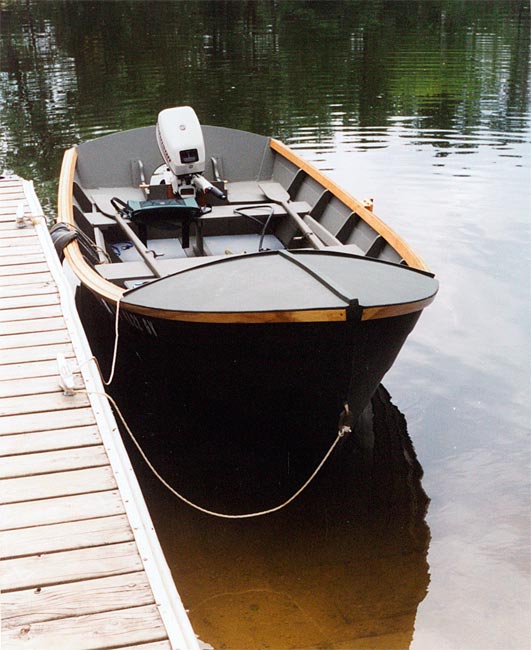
[[294, 69], [344, 566], [422, 105]]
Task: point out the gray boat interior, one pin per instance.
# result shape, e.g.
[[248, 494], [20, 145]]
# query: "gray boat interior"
[[121, 165]]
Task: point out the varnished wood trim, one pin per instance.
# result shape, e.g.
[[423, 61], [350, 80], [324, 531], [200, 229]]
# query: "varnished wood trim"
[[301, 316], [394, 240], [111, 293], [73, 255], [387, 311]]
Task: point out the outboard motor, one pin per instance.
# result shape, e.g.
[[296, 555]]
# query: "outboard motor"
[[182, 146]]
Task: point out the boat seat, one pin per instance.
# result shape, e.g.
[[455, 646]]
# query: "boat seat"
[[347, 248], [101, 196], [239, 244], [244, 192], [166, 249], [227, 210], [122, 271]]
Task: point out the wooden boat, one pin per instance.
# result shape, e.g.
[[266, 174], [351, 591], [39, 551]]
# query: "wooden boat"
[[248, 276]]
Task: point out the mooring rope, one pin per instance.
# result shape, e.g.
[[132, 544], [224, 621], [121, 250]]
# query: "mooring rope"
[[107, 382], [340, 434]]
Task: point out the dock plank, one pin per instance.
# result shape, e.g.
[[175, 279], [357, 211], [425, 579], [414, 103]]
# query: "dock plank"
[[157, 645], [40, 403], [8, 229], [10, 424], [30, 369], [105, 631], [33, 571], [20, 249], [25, 313], [62, 483], [66, 536], [50, 462], [25, 443], [33, 300], [61, 509], [12, 280], [27, 340], [36, 353], [31, 289], [32, 325], [23, 269], [21, 258], [76, 599], [75, 573], [34, 385]]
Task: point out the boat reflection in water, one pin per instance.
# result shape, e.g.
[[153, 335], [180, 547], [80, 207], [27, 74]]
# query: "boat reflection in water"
[[344, 566]]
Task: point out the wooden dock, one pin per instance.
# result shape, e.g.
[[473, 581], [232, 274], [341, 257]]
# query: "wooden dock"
[[81, 567]]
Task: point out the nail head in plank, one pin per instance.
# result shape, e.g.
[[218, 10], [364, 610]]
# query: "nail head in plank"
[[60, 484], [115, 629], [67, 535], [10, 424], [49, 462], [33, 325], [42, 403], [35, 386], [62, 509], [67, 566], [76, 599], [24, 443]]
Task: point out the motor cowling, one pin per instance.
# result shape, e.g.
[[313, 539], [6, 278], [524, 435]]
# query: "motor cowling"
[[181, 144], [180, 141]]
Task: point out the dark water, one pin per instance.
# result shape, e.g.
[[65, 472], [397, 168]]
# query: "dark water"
[[423, 105]]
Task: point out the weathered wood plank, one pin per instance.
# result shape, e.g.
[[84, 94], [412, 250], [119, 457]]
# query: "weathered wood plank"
[[10, 235], [10, 424], [12, 280], [157, 645], [8, 219], [104, 631], [25, 313], [35, 386], [61, 509], [29, 369], [23, 269], [9, 187], [32, 325], [33, 289], [24, 443], [10, 341], [25, 258], [29, 238], [33, 300], [61, 484], [40, 403], [48, 462], [37, 353], [65, 536], [20, 249], [75, 599], [66, 566]]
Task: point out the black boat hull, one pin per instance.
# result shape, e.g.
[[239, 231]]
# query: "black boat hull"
[[267, 381]]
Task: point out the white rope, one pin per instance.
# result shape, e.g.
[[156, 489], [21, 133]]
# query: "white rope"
[[342, 431], [108, 381], [116, 337]]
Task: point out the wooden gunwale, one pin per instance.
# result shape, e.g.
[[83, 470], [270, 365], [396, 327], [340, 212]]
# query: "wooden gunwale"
[[394, 240], [112, 293]]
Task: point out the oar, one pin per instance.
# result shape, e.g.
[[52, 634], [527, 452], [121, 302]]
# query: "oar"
[[145, 254], [276, 193]]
